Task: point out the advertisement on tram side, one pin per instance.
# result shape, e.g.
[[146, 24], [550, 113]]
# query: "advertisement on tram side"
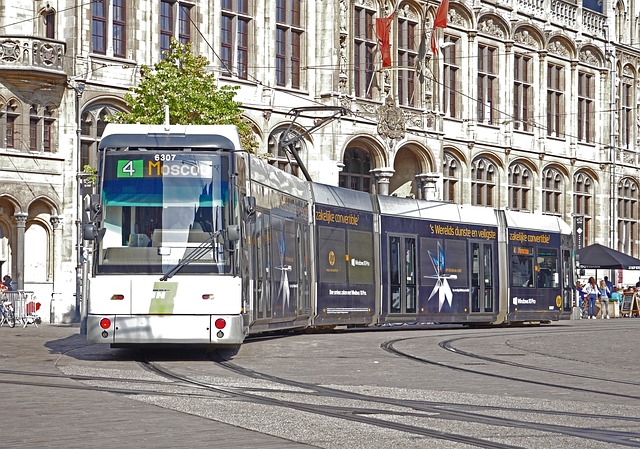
[[438, 270], [345, 264]]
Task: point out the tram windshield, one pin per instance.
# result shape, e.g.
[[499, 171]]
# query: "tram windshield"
[[164, 208]]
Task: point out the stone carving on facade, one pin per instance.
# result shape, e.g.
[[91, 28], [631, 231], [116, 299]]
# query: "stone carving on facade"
[[525, 38], [490, 28], [369, 3], [409, 13], [55, 221], [343, 16], [9, 51], [391, 122], [587, 57], [414, 119], [456, 19], [559, 49]]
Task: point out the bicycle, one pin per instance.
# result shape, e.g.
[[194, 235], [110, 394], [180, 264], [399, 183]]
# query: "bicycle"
[[7, 312]]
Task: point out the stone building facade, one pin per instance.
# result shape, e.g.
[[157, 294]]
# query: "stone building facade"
[[527, 104]]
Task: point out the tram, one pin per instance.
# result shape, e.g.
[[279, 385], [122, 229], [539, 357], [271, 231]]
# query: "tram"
[[195, 241]]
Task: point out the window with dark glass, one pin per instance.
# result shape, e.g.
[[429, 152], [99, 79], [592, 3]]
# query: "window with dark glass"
[[450, 178], [184, 23], [166, 27], [626, 105], [364, 48], [407, 54], [234, 38], [555, 100], [586, 101], [356, 172], [519, 187], [552, 187], [522, 92], [288, 41], [98, 27], [451, 71], [35, 121], [482, 183], [50, 24], [582, 200], [487, 84], [119, 28], [47, 138], [628, 216]]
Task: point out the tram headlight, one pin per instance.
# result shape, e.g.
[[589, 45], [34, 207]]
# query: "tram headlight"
[[220, 323]]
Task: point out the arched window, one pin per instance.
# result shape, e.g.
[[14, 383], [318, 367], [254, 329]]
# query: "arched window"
[[552, 191], [49, 23], [583, 203], [281, 157], [92, 124], [519, 187], [408, 37], [627, 216], [450, 179], [364, 50], [356, 172], [483, 175]]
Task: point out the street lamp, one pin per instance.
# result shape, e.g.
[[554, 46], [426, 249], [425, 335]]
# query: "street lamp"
[[78, 87]]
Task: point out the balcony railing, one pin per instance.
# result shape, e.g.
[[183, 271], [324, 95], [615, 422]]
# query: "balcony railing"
[[40, 54]]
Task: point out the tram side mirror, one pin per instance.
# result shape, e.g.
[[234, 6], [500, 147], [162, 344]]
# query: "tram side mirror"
[[249, 205], [233, 233], [91, 232]]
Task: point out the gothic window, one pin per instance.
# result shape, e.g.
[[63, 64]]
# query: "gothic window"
[[627, 216], [289, 34], [555, 100], [583, 202], [450, 179], [35, 127], [184, 23], [408, 34], [487, 103], [356, 172], [552, 191], [166, 27], [11, 116], [522, 92], [49, 23], [364, 48], [483, 183], [586, 106], [47, 131], [234, 42], [519, 187], [92, 125], [625, 106], [451, 75], [281, 157]]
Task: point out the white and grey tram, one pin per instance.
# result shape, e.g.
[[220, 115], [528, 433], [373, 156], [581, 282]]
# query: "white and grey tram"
[[196, 241]]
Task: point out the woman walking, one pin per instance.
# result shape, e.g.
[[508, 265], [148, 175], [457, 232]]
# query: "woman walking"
[[591, 292], [604, 299]]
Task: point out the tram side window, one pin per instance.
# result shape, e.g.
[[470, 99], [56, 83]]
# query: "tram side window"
[[522, 267], [548, 276]]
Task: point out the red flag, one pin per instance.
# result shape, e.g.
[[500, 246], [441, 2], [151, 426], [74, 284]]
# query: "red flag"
[[441, 15], [440, 21], [383, 27]]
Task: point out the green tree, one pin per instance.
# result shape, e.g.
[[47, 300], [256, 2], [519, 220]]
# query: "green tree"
[[181, 82]]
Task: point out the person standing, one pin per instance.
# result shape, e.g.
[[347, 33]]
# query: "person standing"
[[609, 286], [591, 292], [604, 294], [6, 282], [581, 304]]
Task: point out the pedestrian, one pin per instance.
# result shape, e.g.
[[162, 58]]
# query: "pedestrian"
[[581, 304], [604, 294], [609, 286], [6, 282], [591, 292], [638, 283]]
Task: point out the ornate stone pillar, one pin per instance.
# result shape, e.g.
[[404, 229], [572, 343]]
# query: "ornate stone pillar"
[[21, 221], [428, 183], [57, 249], [381, 176]]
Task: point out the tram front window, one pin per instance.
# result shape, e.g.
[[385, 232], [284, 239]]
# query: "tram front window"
[[160, 209]]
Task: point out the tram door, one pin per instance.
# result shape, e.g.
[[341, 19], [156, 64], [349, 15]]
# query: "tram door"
[[402, 274], [482, 279], [262, 294]]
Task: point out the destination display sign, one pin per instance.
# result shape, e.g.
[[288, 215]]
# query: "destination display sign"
[[163, 166]]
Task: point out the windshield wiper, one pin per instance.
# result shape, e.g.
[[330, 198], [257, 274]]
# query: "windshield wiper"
[[196, 254]]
